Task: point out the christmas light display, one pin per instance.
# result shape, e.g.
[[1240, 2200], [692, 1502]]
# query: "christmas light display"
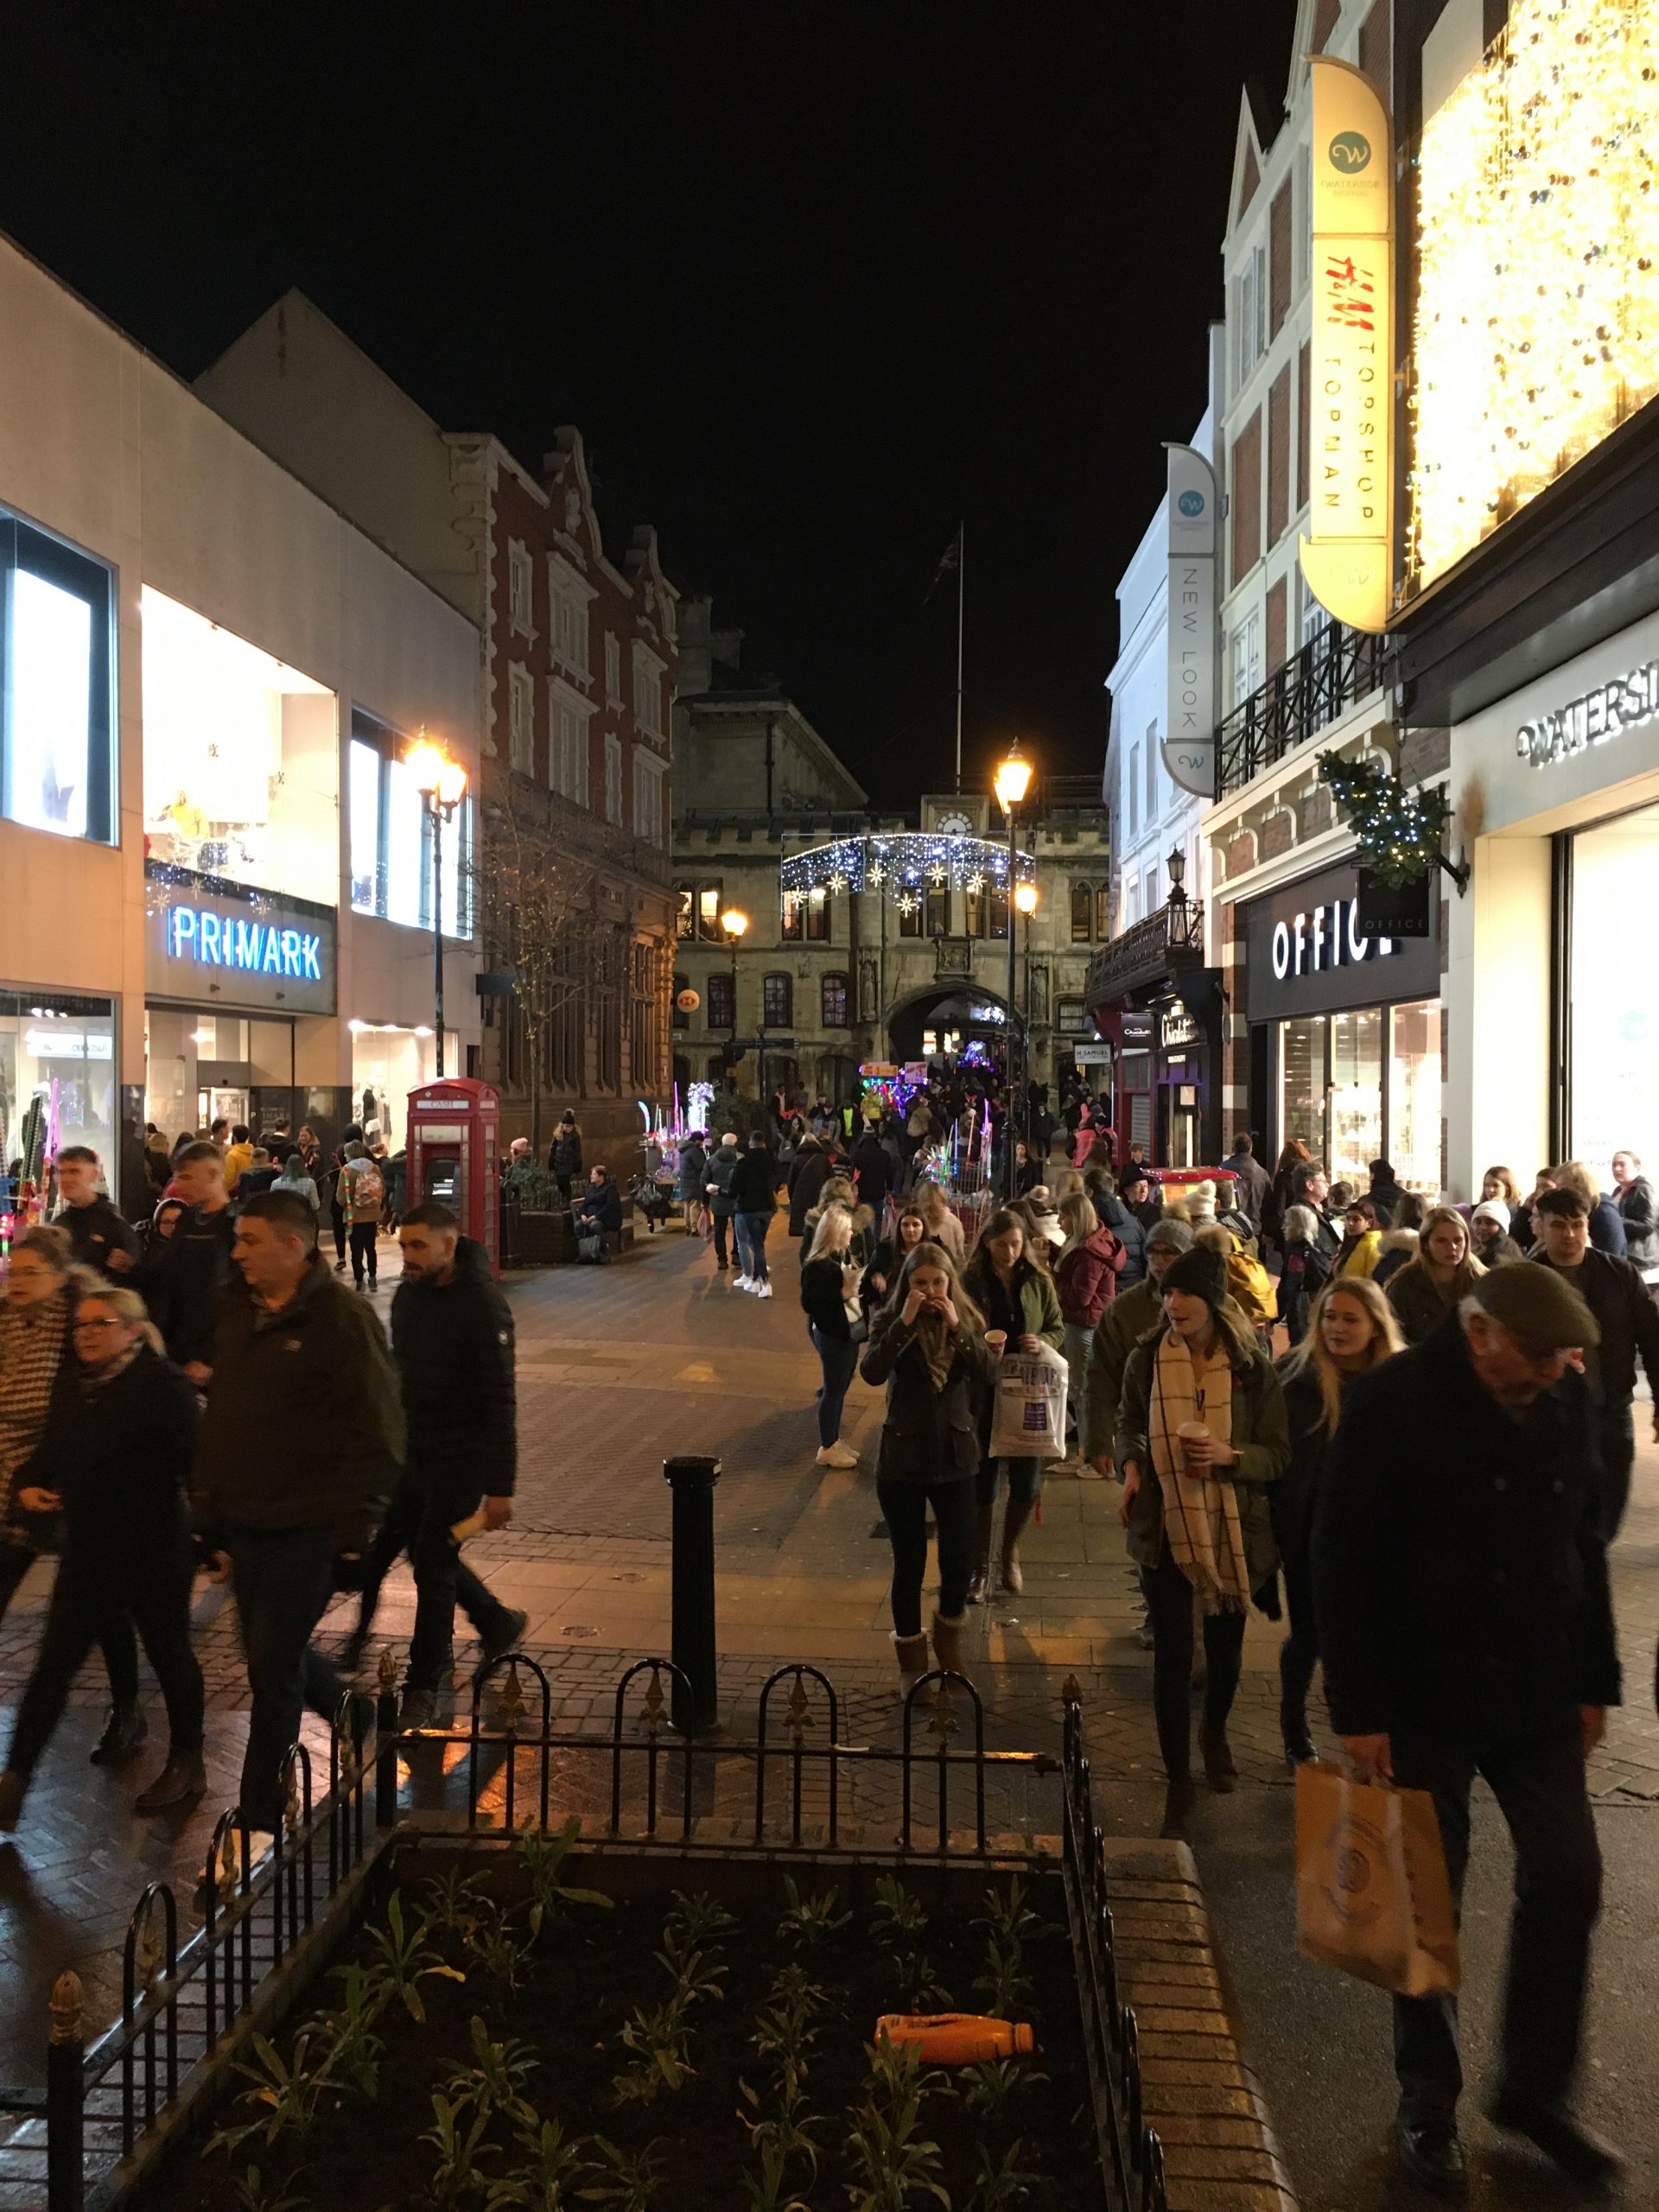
[[1537, 327], [904, 864], [1396, 837]]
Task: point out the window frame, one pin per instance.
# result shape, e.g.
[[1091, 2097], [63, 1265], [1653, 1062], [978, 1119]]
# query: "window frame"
[[835, 984], [521, 589], [27, 549], [614, 778], [367, 731], [721, 991], [521, 692], [1083, 891], [777, 988], [649, 775]]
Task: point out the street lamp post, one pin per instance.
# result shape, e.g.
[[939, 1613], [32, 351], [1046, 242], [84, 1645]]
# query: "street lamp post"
[[1013, 781], [1025, 898], [442, 784], [733, 921]]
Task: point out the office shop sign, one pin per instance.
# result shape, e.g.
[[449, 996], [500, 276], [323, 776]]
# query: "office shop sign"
[[212, 943], [1307, 954]]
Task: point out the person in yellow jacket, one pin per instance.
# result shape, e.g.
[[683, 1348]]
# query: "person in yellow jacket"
[[1361, 1241], [1249, 1284]]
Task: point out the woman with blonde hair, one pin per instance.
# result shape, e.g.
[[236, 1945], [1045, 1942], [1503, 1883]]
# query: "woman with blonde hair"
[[1085, 1280], [1427, 1288], [1353, 1328], [927, 1345], [942, 1227], [829, 1281], [115, 1461]]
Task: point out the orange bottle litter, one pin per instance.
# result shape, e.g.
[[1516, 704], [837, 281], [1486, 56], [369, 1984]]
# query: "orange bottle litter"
[[957, 2038]]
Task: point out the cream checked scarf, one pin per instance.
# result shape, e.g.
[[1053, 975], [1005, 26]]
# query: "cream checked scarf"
[[31, 1351], [1200, 1517]]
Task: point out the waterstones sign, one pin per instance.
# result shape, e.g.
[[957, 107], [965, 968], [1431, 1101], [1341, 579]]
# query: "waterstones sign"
[[216, 943], [1605, 713]]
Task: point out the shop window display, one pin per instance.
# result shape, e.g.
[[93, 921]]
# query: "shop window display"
[[1356, 1094], [57, 664], [1414, 1095], [1614, 1105], [57, 1077]]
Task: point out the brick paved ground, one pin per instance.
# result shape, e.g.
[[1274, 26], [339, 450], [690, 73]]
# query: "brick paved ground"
[[654, 1355]]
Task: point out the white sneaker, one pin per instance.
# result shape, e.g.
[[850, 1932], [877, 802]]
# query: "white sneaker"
[[741, 1282], [837, 1455], [761, 1289]]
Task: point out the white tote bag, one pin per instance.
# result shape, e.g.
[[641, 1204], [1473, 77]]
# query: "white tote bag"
[[1028, 1415]]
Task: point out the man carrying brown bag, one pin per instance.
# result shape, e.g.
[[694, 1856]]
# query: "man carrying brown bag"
[[1460, 1584]]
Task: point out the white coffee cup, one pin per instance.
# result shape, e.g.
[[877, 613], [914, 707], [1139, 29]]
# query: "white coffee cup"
[[1187, 1435]]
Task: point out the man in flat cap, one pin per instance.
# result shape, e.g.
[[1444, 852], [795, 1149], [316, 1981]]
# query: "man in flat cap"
[[1460, 1584]]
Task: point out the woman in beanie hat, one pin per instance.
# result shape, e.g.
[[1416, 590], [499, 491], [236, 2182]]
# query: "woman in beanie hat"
[[1201, 1434], [1489, 1232]]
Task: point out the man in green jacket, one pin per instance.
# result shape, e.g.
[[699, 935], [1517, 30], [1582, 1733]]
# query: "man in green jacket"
[[301, 1444], [1125, 1321]]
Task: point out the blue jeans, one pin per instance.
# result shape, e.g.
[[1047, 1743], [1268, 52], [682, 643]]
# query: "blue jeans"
[[839, 1359], [751, 1243]]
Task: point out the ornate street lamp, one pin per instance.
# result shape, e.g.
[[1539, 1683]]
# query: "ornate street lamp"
[[1180, 921], [442, 784], [1012, 782]]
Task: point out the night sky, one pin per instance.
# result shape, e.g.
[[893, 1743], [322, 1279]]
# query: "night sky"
[[814, 281]]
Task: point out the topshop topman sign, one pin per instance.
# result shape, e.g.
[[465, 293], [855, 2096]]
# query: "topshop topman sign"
[[1190, 745], [1348, 555], [219, 943]]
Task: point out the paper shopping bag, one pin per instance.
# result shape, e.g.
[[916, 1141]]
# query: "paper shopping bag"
[[1028, 1417], [1372, 1896]]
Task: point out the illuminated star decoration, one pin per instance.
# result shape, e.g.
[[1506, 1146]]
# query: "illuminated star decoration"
[[838, 880], [975, 883], [878, 873], [937, 873], [908, 902]]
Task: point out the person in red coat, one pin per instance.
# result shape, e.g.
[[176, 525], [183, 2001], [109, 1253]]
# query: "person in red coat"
[[1085, 1276]]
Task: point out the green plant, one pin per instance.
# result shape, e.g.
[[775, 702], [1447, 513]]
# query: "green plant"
[[788, 2131], [459, 2175], [894, 2164], [1001, 2182], [1010, 1916], [456, 1902], [403, 1959], [811, 1920], [783, 2030], [660, 2042], [697, 1978], [900, 1925], [494, 2082], [545, 1856], [1398, 832], [289, 2092], [1006, 1989], [351, 2050], [499, 1949], [698, 1920], [767, 2188], [250, 2194], [988, 2087], [626, 2182], [554, 2163]]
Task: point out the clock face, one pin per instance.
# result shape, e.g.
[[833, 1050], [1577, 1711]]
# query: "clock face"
[[955, 825]]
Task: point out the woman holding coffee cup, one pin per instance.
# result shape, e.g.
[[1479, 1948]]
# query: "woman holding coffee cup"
[[1201, 1434], [1022, 1313]]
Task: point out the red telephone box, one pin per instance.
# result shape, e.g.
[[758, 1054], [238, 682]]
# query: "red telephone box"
[[452, 1154]]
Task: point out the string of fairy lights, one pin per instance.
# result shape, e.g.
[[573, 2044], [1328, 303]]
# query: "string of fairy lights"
[[1537, 327], [904, 866]]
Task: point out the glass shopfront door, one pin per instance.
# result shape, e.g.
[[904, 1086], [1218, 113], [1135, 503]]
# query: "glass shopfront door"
[[1612, 1023], [1351, 1100]]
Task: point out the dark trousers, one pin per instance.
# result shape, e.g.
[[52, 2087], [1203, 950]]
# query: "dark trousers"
[[89, 1598], [1618, 1457], [363, 1233], [282, 1579], [838, 1357], [1538, 1786], [337, 1220], [722, 1222], [1300, 1653], [905, 1507], [424, 1508], [114, 1637], [1170, 1601]]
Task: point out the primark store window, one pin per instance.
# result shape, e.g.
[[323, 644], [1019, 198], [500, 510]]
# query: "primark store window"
[[57, 690], [57, 1077]]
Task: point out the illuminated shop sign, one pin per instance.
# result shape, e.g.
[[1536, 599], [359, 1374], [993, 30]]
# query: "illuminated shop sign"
[[1306, 944], [1606, 712], [1306, 951], [216, 941]]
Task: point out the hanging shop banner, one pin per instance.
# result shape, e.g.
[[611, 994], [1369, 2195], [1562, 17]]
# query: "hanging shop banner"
[[1190, 744], [1348, 557]]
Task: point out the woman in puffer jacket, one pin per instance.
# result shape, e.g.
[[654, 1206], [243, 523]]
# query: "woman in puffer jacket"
[[1086, 1278]]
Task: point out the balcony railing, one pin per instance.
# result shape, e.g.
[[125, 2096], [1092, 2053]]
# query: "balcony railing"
[[1335, 667], [1165, 943]]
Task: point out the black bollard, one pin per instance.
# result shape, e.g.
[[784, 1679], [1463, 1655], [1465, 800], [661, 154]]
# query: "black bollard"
[[692, 1481], [65, 2090]]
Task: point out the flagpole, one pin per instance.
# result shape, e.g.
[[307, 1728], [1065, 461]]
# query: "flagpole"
[[961, 534]]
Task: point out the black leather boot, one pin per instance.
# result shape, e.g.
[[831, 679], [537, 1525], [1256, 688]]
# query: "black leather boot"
[[124, 1730]]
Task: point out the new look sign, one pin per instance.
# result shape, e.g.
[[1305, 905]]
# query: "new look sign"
[[215, 943]]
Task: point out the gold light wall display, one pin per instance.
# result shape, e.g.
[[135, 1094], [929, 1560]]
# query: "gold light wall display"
[[1537, 323]]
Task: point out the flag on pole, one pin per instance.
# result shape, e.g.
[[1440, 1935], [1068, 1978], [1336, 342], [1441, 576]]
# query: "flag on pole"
[[949, 562]]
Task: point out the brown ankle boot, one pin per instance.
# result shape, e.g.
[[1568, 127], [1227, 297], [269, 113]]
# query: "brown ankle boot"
[[911, 1654], [947, 1642]]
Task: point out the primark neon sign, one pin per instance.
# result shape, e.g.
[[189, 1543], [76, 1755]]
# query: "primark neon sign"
[[256, 947]]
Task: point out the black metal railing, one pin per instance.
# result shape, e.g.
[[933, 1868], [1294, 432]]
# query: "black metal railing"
[[1335, 667], [188, 2011], [1170, 939]]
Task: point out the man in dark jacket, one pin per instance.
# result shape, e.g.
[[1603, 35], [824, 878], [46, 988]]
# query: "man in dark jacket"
[[755, 1201], [99, 1235], [810, 1169], [301, 1444], [452, 1339], [1385, 1192], [1137, 1193], [872, 1171], [722, 1166], [1254, 1180], [600, 1205], [1629, 1321], [184, 1278], [1460, 1584]]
